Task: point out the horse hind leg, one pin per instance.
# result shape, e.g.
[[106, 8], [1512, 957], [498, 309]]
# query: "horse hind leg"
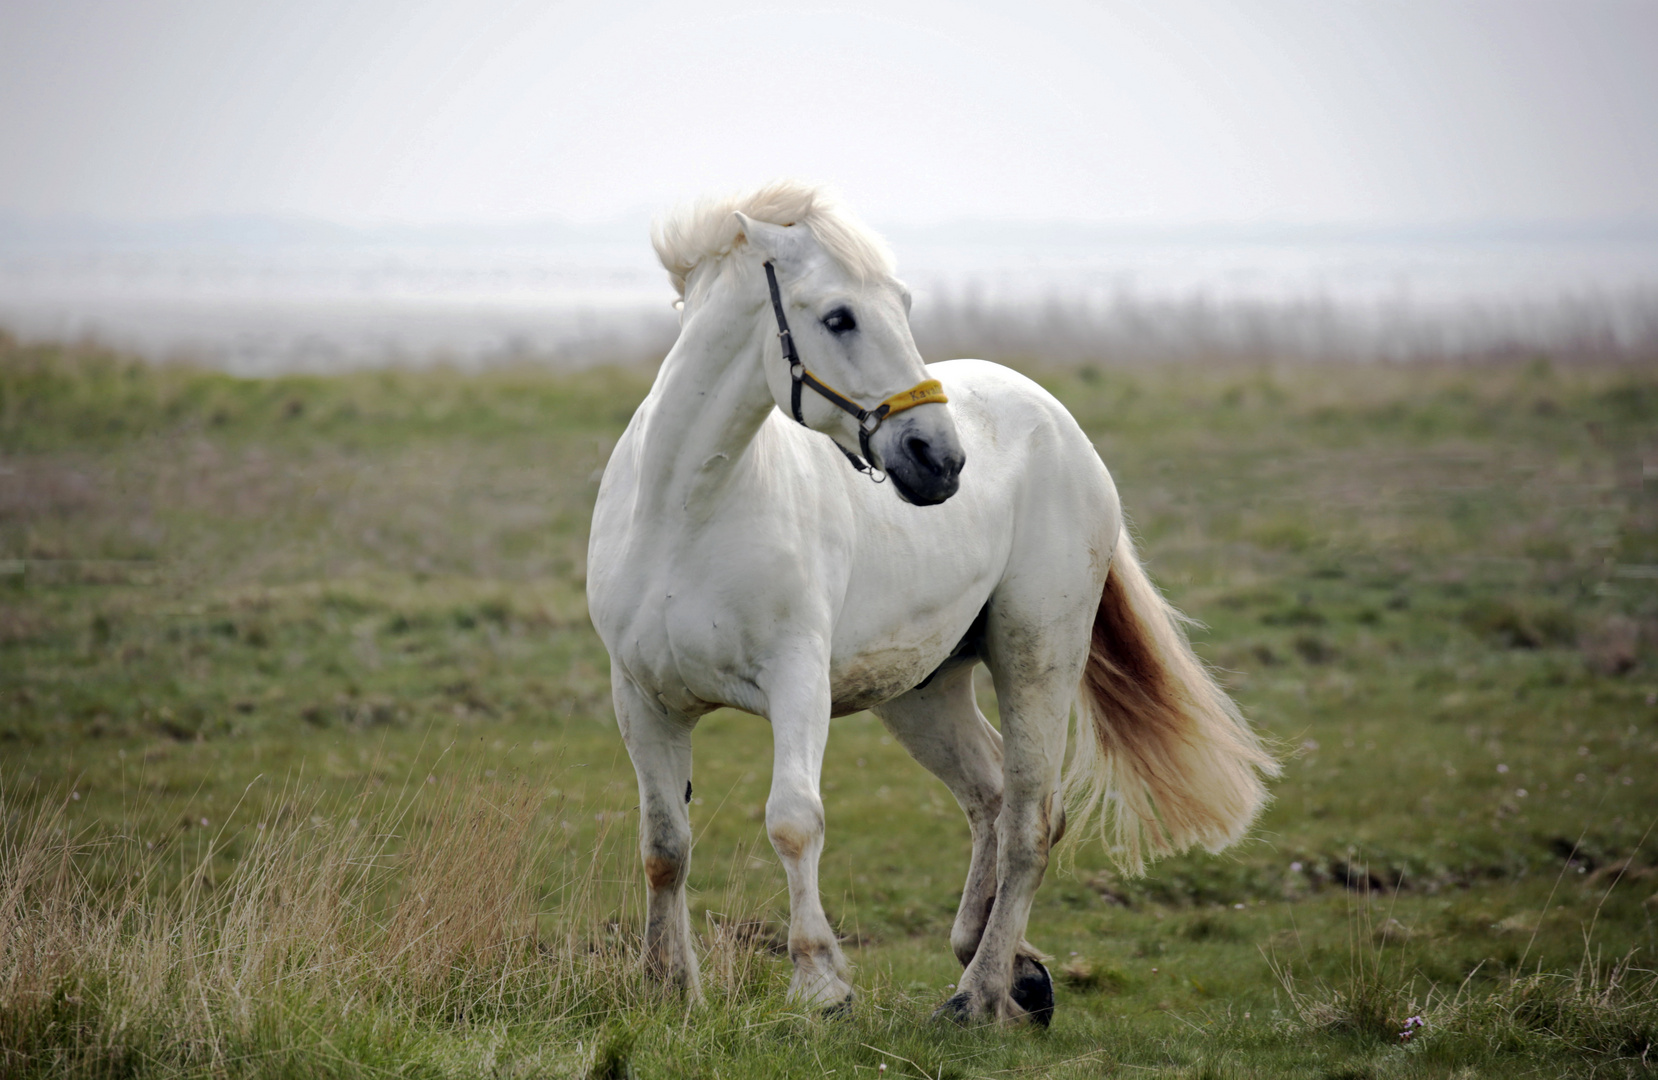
[[659, 745], [1035, 658], [942, 728]]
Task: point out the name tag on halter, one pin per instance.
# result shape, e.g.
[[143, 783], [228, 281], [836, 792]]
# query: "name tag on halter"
[[922, 393]]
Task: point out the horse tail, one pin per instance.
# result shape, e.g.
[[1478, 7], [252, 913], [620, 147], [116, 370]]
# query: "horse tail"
[[1157, 738]]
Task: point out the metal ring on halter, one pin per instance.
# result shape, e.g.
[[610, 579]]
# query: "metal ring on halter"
[[926, 392]]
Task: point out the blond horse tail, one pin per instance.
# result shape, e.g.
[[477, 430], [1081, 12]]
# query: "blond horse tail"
[[1161, 756]]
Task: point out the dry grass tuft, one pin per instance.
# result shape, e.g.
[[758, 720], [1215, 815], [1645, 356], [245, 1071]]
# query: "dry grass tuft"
[[1378, 996], [1598, 1011], [378, 916], [465, 892]]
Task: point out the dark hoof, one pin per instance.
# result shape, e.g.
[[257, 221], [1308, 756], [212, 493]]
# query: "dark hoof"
[[1033, 990], [958, 1010], [840, 1010]]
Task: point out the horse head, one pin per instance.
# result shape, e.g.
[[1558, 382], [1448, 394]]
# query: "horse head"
[[851, 332]]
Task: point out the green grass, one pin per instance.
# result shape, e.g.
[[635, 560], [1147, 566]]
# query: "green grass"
[[293, 601]]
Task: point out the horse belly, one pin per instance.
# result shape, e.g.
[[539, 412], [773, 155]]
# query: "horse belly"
[[879, 674]]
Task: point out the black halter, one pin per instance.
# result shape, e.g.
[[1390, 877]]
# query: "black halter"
[[869, 420]]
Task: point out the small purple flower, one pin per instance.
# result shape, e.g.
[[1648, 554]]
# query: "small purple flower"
[[1412, 1026]]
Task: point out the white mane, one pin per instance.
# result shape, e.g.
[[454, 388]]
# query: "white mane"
[[707, 230]]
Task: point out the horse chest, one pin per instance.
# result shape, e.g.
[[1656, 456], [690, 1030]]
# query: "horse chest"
[[700, 634]]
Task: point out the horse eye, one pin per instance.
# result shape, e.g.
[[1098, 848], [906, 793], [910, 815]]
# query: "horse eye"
[[840, 321]]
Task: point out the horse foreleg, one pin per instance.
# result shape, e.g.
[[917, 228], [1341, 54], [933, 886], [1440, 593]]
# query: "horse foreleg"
[[794, 821], [659, 743], [942, 728]]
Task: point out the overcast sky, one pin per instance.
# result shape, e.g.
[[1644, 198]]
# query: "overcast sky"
[[1162, 111]]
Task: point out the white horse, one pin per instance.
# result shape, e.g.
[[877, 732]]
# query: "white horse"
[[738, 559]]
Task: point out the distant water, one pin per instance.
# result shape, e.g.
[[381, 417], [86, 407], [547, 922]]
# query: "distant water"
[[258, 306], [265, 309]]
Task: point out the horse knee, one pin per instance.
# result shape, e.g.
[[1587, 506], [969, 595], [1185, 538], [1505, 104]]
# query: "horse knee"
[[667, 856], [793, 825], [664, 871]]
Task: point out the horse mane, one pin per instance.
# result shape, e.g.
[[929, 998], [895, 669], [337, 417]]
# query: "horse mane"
[[706, 229]]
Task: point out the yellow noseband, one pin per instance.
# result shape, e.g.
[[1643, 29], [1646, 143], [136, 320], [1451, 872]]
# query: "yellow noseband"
[[930, 392]]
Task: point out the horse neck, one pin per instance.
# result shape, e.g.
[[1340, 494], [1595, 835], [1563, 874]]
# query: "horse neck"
[[711, 399]]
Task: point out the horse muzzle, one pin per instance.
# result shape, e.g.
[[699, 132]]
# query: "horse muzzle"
[[923, 461]]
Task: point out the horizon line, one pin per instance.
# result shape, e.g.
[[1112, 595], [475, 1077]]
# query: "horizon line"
[[280, 228]]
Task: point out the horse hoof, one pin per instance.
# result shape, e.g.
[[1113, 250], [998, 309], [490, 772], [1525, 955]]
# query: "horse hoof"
[[1033, 990], [957, 1010], [839, 1010]]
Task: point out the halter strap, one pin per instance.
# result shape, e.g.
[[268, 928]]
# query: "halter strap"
[[926, 392]]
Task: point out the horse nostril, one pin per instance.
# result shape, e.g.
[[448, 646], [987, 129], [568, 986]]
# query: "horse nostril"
[[922, 452]]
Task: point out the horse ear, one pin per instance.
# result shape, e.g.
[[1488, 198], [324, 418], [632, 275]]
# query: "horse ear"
[[774, 242]]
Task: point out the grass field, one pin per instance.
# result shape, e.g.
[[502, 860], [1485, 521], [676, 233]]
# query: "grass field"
[[308, 764]]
